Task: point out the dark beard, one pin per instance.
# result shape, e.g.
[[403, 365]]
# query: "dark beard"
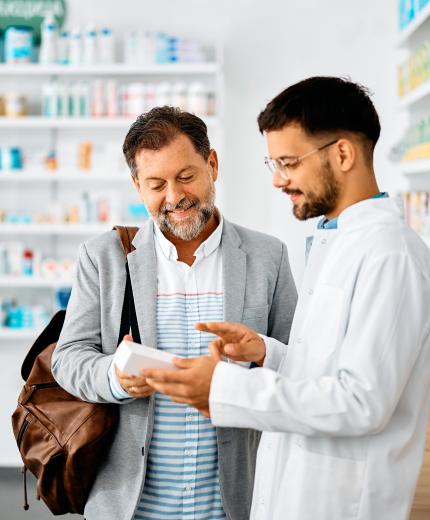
[[318, 205]]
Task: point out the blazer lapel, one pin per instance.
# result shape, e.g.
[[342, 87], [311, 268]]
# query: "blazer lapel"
[[234, 272], [143, 274]]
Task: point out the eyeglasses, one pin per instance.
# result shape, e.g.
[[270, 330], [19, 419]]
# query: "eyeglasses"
[[283, 164]]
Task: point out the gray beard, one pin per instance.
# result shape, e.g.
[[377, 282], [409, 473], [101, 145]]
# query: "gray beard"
[[192, 227]]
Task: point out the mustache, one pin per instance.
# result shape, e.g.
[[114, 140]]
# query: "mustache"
[[183, 204], [291, 192]]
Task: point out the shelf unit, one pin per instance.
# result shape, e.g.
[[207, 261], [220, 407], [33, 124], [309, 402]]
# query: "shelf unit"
[[416, 104], [415, 96], [34, 281], [408, 32], [117, 69], [18, 334], [415, 167], [31, 176], [14, 343], [92, 123], [60, 229]]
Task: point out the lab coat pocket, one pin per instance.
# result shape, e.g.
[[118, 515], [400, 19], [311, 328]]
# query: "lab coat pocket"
[[256, 318], [320, 487], [322, 325]]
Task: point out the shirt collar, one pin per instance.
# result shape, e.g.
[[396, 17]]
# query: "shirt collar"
[[325, 223], [205, 248]]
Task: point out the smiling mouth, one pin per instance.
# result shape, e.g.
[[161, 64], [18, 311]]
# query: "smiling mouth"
[[181, 213], [294, 195]]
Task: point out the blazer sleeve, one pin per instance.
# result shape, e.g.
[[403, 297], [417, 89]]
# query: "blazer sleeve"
[[78, 363], [284, 301]]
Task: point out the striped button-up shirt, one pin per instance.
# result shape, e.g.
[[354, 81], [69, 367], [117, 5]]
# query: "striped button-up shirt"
[[182, 477]]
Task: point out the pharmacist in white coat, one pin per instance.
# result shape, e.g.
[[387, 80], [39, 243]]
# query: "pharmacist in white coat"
[[344, 406]]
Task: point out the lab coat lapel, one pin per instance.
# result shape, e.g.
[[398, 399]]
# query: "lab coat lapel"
[[143, 273], [234, 273]]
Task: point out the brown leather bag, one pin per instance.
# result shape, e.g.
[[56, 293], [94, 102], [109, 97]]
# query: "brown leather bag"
[[62, 439]]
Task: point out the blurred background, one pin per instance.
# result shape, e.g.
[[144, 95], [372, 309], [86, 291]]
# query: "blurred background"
[[75, 73]]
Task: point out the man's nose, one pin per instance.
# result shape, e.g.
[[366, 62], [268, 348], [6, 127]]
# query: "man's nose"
[[174, 193], [278, 181]]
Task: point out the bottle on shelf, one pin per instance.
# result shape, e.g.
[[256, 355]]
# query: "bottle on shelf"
[[90, 46], [75, 49], [106, 46], [49, 45], [63, 48]]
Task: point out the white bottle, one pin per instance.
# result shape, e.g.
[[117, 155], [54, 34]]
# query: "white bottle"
[[163, 93], [63, 48], [112, 109], [132, 48], [48, 47], [106, 46], [197, 98], [179, 95], [148, 48], [90, 46], [75, 56]]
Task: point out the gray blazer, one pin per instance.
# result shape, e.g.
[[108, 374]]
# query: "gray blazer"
[[258, 290]]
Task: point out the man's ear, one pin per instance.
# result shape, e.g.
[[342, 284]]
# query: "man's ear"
[[346, 154], [213, 164], [135, 180]]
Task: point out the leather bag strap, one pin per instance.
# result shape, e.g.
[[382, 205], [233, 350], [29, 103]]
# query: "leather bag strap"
[[128, 314]]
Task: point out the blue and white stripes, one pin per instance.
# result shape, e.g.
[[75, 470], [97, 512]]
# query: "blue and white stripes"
[[182, 478]]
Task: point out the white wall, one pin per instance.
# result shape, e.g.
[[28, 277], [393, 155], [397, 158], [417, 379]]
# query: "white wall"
[[269, 45]]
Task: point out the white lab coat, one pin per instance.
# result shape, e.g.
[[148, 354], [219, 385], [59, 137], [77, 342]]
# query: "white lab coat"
[[344, 407]]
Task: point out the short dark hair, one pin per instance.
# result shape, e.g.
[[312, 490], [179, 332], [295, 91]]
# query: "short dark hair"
[[322, 105], [159, 127]]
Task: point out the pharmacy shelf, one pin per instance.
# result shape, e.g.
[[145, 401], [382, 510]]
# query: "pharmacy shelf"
[[62, 176], [54, 229], [77, 122], [62, 229], [17, 334], [410, 29], [415, 167], [34, 281], [416, 95], [118, 69]]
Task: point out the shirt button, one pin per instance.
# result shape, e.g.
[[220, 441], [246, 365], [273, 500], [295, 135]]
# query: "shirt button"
[[191, 417], [299, 340], [324, 241], [310, 292]]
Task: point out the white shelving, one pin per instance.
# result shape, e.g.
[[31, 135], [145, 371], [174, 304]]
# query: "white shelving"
[[410, 29], [118, 69], [76, 123], [34, 281], [418, 171], [416, 95], [18, 334], [415, 167], [63, 176], [56, 229]]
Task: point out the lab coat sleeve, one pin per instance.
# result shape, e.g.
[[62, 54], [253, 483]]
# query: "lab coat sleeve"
[[275, 352], [388, 325]]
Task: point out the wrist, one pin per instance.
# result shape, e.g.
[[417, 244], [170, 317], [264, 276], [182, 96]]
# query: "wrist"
[[260, 361]]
